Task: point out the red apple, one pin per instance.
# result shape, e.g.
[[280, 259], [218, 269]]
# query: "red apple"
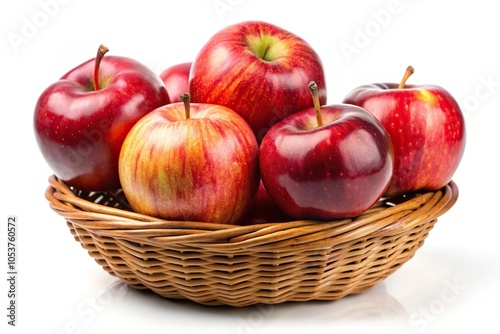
[[264, 210], [81, 120], [259, 70], [191, 162], [326, 162], [426, 127], [176, 80]]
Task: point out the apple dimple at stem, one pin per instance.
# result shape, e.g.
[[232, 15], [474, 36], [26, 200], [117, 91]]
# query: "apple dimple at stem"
[[409, 71], [101, 51], [313, 87], [265, 47], [187, 104]]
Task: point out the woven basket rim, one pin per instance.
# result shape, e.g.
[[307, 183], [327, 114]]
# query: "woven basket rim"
[[116, 222]]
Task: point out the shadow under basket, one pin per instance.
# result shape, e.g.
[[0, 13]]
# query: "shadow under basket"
[[218, 264]]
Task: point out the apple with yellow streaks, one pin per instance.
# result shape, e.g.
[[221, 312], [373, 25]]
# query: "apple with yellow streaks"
[[191, 161]]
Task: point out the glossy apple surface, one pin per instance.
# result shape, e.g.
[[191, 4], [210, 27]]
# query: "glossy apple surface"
[[80, 130], [259, 70], [198, 168], [336, 170], [176, 80], [427, 130]]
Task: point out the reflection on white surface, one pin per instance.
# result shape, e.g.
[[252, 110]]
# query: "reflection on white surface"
[[375, 306]]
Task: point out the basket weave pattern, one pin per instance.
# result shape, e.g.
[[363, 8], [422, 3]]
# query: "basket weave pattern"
[[217, 264]]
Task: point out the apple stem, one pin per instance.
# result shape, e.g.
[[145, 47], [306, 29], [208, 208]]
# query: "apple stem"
[[186, 99], [409, 71], [313, 87], [100, 54], [266, 50]]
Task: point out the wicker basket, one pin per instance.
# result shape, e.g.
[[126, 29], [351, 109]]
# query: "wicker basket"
[[216, 264]]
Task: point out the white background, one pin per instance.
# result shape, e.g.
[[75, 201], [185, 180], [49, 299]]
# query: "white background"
[[451, 284]]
